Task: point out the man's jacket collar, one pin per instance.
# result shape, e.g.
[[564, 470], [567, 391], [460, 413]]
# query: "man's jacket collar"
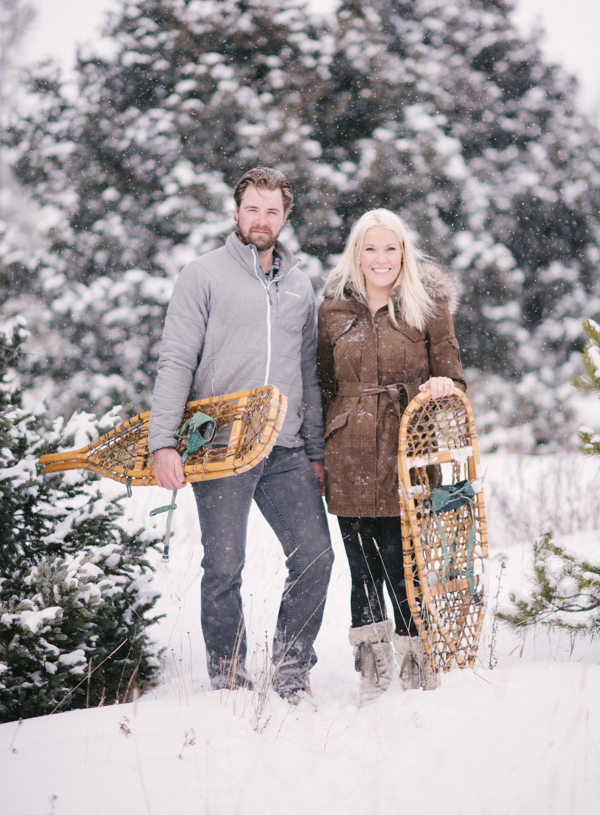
[[247, 256]]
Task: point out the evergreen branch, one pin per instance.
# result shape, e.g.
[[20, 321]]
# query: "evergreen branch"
[[553, 594], [86, 677], [575, 608]]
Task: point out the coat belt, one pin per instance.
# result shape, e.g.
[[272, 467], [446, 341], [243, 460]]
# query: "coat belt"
[[362, 389]]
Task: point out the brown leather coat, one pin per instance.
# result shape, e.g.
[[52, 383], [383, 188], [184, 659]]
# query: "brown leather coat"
[[369, 371]]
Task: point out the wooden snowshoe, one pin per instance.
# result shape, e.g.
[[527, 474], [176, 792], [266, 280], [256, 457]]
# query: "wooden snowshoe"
[[444, 533], [255, 418]]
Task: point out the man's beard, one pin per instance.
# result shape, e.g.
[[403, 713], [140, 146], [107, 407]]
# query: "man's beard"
[[262, 242]]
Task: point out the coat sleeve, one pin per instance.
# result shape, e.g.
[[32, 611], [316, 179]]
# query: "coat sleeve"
[[312, 423], [325, 362], [180, 352], [444, 355]]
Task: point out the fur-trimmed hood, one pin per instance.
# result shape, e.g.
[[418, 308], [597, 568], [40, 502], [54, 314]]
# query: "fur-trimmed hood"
[[439, 285]]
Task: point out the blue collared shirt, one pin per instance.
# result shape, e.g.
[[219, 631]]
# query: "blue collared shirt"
[[275, 267]]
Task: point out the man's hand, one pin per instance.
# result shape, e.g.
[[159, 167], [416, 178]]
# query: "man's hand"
[[319, 469], [439, 386], [168, 470]]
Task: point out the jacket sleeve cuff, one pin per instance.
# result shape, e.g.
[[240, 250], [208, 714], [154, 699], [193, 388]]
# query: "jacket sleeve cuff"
[[160, 444], [314, 450]]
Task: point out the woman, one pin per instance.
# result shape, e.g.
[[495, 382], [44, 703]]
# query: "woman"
[[385, 333]]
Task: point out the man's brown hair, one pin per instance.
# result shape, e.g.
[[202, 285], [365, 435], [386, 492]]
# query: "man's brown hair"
[[267, 179]]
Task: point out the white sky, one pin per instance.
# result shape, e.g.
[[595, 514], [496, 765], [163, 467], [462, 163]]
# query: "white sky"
[[572, 39], [572, 33]]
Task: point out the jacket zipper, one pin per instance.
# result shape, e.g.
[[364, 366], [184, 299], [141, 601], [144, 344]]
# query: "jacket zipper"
[[266, 285]]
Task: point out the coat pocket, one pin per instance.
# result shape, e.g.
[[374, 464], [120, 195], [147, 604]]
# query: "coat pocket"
[[340, 329], [291, 310], [411, 333], [454, 343], [344, 461], [335, 424]]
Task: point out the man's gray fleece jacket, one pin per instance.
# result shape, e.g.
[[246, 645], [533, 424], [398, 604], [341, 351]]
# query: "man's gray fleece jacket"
[[228, 329]]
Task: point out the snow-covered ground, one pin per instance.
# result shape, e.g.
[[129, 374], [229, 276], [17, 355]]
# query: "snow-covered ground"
[[521, 738]]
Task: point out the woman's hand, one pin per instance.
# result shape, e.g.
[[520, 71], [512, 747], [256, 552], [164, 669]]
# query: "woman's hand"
[[439, 386]]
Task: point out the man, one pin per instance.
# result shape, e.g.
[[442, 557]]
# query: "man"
[[240, 317]]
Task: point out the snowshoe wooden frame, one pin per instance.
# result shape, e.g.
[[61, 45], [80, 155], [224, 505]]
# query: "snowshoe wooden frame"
[[448, 616], [255, 418]]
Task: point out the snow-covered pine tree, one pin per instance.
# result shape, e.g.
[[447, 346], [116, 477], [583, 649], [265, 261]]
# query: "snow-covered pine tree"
[[437, 109], [75, 596], [590, 383], [193, 94], [15, 17], [565, 596], [19, 237], [139, 166], [441, 111], [566, 587]]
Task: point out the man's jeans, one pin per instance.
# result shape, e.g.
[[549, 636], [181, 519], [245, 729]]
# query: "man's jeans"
[[286, 492]]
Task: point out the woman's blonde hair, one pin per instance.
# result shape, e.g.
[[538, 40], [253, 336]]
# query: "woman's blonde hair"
[[408, 291]]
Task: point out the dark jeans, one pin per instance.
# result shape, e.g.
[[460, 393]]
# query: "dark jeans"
[[286, 492], [371, 568]]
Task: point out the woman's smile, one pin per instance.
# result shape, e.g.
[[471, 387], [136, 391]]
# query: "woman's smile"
[[380, 261]]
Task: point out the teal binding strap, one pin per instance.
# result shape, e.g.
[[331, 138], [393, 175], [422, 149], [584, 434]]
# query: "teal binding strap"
[[201, 431], [170, 508], [468, 572], [444, 499], [445, 551]]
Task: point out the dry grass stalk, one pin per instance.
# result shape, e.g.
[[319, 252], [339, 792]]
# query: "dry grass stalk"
[[493, 658], [558, 491]]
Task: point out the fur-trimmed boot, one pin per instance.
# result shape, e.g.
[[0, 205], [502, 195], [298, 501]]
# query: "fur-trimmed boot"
[[374, 659], [415, 667]]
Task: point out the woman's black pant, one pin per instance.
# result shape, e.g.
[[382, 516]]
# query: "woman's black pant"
[[374, 550]]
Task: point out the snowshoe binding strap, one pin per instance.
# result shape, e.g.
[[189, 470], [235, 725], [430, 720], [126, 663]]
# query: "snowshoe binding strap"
[[170, 508], [445, 499], [201, 431]]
